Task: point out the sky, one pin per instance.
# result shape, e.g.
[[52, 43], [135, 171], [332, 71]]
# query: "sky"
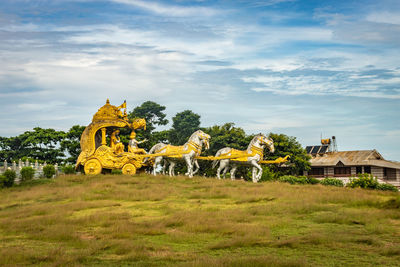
[[301, 68]]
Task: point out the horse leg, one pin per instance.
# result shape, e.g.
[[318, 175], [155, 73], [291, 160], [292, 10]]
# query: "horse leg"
[[196, 163], [257, 177], [225, 170], [171, 168], [156, 162], [222, 166], [233, 171], [253, 174], [164, 168], [189, 166]]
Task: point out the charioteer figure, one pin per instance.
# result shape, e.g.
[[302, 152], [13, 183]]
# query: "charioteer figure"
[[133, 144]]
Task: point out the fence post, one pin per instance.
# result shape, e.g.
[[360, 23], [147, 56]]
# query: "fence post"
[[56, 167]]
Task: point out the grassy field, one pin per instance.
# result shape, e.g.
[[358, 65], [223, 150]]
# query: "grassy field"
[[150, 221]]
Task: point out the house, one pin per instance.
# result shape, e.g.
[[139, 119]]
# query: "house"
[[326, 162]]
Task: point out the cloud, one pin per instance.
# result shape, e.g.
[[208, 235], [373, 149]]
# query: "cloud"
[[170, 10], [226, 61], [387, 17]]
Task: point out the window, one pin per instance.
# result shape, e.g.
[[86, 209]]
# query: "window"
[[317, 172], [358, 169], [367, 169], [342, 171]]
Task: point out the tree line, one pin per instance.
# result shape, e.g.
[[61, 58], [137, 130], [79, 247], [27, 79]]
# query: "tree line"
[[64, 147]]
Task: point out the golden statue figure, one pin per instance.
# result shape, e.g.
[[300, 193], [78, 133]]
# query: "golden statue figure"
[[116, 144], [133, 144]]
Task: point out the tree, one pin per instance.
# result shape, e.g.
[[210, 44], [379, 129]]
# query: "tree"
[[71, 143], [152, 112], [154, 115], [227, 136], [43, 144], [184, 124], [288, 145]]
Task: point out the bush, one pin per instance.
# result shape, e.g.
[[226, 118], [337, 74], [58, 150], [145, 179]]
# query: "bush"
[[293, 179], [27, 173], [332, 182], [364, 180], [268, 174], [312, 180], [49, 171], [2, 180], [116, 171], [68, 169], [9, 178], [387, 187]]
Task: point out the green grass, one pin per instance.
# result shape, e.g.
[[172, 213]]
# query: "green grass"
[[143, 220]]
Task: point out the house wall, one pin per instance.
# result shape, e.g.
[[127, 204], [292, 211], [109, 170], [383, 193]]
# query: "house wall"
[[377, 172], [329, 172], [391, 174], [353, 171]]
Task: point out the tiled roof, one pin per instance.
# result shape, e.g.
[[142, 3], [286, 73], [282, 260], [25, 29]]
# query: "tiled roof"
[[353, 158]]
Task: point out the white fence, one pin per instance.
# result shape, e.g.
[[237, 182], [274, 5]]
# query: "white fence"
[[38, 167]]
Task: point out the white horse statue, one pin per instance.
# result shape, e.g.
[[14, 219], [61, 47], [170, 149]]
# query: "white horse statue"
[[252, 156], [187, 152]]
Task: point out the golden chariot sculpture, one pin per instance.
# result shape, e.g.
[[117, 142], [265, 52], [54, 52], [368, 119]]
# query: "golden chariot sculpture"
[[96, 155]]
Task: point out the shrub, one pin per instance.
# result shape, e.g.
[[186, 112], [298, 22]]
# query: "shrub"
[[68, 169], [2, 180], [332, 182], [116, 171], [268, 174], [312, 180], [27, 173], [387, 187], [364, 180], [49, 171], [293, 179], [9, 178]]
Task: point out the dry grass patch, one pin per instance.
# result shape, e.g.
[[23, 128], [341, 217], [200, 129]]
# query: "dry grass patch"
[[145, 220]]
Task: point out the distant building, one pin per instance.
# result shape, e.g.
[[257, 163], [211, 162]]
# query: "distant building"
[[326, 162]]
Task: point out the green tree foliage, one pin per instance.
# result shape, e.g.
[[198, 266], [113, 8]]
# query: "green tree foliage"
[[288, 145], [71, 143], [183, 125], [41, 144], [154, 115], [11, 148], [227, 136]]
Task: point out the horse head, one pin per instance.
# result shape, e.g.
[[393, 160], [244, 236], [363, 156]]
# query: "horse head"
[[263, 140], [202, 137], [205, 138]]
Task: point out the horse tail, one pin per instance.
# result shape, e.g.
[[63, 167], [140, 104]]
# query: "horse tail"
[[215, 162]]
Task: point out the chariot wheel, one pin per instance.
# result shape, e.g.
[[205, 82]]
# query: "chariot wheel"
[[129, 169], [93, 166]]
